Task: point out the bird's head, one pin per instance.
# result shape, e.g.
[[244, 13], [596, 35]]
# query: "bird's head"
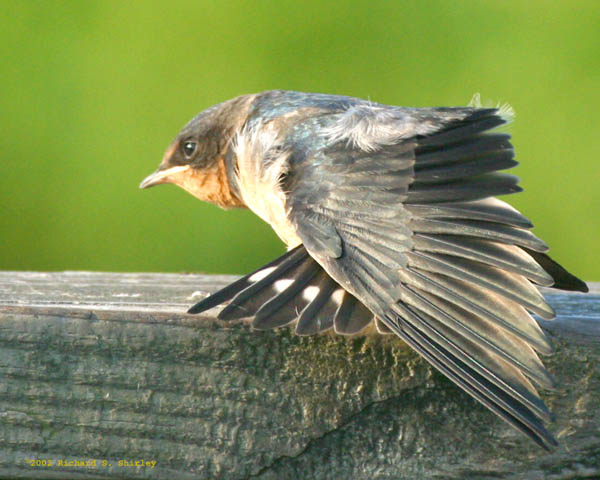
[[197, 159]]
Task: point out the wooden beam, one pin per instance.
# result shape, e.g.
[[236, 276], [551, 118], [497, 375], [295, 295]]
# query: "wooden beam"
[[104, 376]]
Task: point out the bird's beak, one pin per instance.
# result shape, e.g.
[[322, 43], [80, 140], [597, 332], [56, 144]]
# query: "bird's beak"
[[162, 176]]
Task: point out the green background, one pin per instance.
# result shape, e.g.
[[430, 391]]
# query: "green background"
[[93, 92]]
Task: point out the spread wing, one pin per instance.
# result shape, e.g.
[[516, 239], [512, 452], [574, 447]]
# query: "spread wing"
[[412, 229], [293, 288], [399, 224]]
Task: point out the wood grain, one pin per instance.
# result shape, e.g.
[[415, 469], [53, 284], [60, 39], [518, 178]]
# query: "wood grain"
[[107, 368]]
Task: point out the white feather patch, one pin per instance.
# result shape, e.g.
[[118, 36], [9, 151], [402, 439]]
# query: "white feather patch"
[[261, 274], [281, 285], [310, 293], [338, 295]]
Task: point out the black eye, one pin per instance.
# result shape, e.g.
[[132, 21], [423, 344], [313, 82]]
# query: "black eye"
[[189, 148]]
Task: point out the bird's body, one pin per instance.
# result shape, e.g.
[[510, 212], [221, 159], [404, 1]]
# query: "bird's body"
[[390, 217]]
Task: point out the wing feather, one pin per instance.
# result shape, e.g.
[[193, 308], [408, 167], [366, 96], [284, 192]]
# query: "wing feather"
[[488, 394], [484, 333], [488, 209], [507, 257], [511, 286], [319, 313], [402, 227], [488, 305], [464, 189], [231, 290], [439, 261], [352, 316], [491, 367], [476, 228], [293, 297]]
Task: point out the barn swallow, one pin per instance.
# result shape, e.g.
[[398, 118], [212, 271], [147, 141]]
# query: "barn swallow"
[[391, 219]]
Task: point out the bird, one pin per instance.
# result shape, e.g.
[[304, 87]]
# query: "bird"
[[392, 223]]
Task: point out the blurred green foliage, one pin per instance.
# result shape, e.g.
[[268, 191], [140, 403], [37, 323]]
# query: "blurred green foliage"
[[93, 92]]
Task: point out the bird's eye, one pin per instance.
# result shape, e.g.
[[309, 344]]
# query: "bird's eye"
[[189, 148]]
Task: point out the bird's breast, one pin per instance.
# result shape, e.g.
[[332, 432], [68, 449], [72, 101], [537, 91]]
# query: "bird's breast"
[[261, 166]]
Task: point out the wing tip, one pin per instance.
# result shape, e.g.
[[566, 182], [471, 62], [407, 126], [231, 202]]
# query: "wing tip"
[[563, 279], [202, 306], [194, 309]]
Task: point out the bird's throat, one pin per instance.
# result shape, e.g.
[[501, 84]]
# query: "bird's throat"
[[210, 184]]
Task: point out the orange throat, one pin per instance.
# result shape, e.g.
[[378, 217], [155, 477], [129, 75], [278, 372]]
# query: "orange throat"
[[210, 185]]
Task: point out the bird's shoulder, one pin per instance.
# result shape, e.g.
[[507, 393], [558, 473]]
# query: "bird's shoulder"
[[314, 121]]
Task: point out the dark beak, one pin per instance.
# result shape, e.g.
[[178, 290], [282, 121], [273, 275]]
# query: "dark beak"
[[162, 176]]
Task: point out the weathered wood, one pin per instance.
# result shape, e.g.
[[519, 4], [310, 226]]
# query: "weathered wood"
[[106, 368]]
